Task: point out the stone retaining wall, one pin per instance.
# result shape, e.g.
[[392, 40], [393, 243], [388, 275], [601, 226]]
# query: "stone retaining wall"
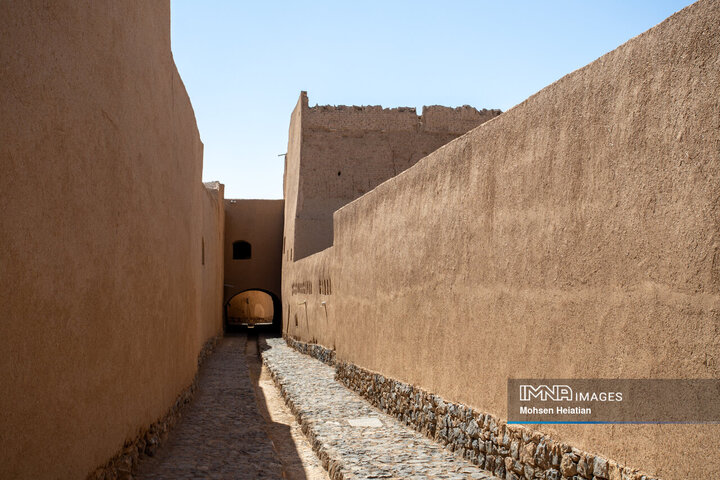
[[509, 451], [323, 354], [330, 464]]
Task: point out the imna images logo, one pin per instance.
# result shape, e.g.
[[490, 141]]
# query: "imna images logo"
[[543, 393]]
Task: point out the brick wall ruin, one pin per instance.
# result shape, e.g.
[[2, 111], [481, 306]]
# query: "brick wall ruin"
[[344, 152]]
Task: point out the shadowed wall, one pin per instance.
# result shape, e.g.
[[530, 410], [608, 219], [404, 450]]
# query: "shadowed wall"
[[101, 230], [259, 223], [212, 259], [574, 236]]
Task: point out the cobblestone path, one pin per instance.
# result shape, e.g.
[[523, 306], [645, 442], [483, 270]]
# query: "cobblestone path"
[[295, 452], [221, 434], [353, 439]]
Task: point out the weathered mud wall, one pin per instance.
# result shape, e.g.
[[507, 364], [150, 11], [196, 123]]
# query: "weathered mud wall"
[[260, 223], [348, 151], [101, 232], [574, 236], [212, 259]]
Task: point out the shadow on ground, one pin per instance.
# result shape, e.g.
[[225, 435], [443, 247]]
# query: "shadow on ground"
[[294, 452], [236, 426]]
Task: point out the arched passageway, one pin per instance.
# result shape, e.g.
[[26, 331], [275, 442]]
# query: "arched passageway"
[[253, 308]]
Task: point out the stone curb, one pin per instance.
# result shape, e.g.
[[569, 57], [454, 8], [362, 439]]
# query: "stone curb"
[[511, 452], [332, 455], [319, 352], [332, 465]]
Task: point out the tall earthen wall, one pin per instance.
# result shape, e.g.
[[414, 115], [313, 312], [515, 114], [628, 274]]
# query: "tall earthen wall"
[[103, 302], [212, 259], [574, 236]]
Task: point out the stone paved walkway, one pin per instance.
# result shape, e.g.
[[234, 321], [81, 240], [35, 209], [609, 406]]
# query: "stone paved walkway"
[[353, 439], [221, 435]]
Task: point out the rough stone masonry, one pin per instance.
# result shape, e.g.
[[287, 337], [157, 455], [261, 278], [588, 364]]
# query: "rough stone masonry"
[[509, 451]]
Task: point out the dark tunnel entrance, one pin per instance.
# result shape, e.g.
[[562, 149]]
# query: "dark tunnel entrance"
[[253, 308]]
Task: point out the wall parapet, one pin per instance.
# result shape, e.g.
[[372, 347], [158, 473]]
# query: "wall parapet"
[[375, 118], [342, 152], [512, 452]]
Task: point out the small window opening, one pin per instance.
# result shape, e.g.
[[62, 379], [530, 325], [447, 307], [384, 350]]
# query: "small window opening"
[[242, 250], [203, 250]]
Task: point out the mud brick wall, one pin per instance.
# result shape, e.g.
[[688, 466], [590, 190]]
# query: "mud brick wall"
[[106, 302], [346, 151]]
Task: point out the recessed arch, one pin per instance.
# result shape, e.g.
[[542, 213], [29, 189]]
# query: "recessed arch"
[[253, 307]]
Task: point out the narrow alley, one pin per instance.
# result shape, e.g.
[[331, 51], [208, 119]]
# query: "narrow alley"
[[360, 240], [239, 427], [236, 426]]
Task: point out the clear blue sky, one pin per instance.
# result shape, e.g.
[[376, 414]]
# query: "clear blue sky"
[[244, 63]]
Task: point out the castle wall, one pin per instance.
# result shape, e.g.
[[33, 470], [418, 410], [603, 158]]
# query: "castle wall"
[[347, 151], [101, 230], [574, 236], [291, 180]]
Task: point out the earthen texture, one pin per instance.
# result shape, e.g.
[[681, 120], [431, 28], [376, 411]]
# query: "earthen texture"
[[102, 227], [344, 152], [147, 442], [212, 259], [260, 223], [574, 236]]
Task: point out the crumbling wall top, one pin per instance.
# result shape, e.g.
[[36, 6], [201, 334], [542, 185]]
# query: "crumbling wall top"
[[368, 118]]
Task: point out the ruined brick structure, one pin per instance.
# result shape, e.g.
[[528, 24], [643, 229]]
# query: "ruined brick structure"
[[337, 154]]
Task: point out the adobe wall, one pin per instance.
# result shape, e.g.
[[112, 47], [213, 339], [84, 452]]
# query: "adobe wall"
[[574, 236], [259, 222], [309, 297], [101, 228], [347, 151], [212, 260], [291, 181]]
